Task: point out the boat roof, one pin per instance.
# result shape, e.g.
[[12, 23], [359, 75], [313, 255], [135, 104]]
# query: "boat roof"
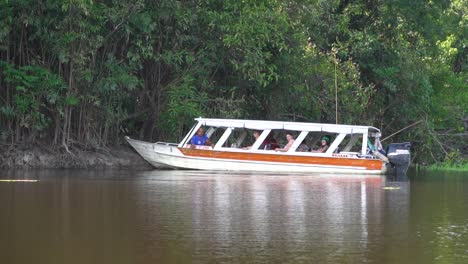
[[292, 126]]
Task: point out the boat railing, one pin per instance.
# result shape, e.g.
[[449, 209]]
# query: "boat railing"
[[367, 156], [197, 146], [353, 153], [166, 144]]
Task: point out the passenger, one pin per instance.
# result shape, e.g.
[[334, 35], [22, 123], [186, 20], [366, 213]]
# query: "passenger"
[[323, 145], [303, 148], [200, 139], [271, 143], [268, 143], [255, 134], [290, 139]]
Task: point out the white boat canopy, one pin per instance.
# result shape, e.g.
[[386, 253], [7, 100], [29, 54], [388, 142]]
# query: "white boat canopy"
[[292, 126], [302, 127]]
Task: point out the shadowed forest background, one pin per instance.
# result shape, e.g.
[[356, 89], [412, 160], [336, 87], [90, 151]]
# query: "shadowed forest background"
[[81, 74]]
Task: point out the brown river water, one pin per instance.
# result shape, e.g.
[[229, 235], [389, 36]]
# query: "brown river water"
[[112, 216]]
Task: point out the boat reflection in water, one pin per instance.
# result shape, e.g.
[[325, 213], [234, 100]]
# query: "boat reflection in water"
[[242, 217], [103, 216]]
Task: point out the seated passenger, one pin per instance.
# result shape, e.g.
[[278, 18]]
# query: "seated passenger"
[[268, 143], [290, 139], [323, 145], [200, 139], [271, 143], [303, 148]]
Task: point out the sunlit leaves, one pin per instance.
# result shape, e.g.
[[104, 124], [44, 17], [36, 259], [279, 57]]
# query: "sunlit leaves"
[[448, 51]]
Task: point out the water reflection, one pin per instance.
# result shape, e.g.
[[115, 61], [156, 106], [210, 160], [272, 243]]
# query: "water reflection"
[[65, 217], [300, 216], [211, 217]]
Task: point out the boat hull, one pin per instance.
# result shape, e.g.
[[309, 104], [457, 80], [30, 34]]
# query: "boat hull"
[[153, 153], [167, 155]]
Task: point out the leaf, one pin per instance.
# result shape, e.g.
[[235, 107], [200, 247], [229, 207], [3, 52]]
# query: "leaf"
[[71, 100]]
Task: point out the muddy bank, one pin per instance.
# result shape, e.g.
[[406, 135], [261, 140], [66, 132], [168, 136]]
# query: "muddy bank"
[[40, 157]]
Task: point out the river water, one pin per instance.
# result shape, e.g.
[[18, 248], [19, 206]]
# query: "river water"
[[92, 216]]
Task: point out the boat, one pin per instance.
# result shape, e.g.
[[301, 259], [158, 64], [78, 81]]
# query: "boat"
[[352, 149]]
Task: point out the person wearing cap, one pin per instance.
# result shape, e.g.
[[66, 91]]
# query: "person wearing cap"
[[323, 145]]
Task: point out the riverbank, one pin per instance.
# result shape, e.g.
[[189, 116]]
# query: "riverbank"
[[45, 158], [448, 167]]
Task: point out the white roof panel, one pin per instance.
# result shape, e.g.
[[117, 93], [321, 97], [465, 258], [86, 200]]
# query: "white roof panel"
[[293, 126]]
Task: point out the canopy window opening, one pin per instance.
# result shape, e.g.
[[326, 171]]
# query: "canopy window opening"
[[352, 143], [241, 138], [236, 138], [227, 137], [213, 134], [358, 144], [312, 142], [332, 143], [257, 140]]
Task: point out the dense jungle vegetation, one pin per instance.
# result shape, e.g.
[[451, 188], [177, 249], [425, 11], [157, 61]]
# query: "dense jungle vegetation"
[[81, 74]]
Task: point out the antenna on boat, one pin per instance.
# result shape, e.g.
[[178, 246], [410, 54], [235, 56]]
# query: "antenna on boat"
[[336, 98]]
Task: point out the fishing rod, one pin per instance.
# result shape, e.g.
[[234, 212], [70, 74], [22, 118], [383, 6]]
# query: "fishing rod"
[[401, 130]]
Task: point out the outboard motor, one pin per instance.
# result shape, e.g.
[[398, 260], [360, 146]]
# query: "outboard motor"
[[399, 156]]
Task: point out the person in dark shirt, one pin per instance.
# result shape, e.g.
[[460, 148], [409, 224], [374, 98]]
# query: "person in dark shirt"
[[271, 143]]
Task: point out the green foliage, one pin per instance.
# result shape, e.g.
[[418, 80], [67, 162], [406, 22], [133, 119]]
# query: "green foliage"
[[84, 71], [253, 35], [184, 104], [7, 111], [449, 167], [35, 90]]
